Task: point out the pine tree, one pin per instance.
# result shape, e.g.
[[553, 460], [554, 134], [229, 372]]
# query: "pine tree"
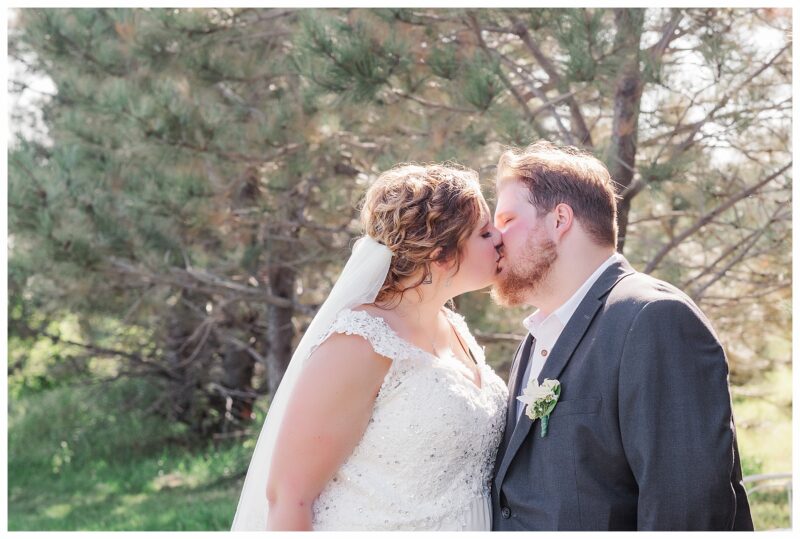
[[191, 189], [199, 178], [689, 111]]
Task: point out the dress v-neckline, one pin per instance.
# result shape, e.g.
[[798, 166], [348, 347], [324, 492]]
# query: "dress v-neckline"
[[472, 383]]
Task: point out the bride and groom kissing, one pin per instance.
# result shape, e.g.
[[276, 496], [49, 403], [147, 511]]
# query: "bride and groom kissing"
[[617, 414]]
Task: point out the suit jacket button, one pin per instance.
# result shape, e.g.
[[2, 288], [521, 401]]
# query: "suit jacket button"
[[506, 512]]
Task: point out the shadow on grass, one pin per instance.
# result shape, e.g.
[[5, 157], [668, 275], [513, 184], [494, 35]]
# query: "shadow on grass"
[[206, 506], [79, 461]]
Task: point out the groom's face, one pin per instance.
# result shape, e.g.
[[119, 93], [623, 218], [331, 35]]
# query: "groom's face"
[[528, 250]]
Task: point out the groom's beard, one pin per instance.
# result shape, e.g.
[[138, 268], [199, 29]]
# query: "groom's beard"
[[520, 280]]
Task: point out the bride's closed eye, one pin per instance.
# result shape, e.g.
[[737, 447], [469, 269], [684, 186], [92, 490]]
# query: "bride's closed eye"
[[486, 235]]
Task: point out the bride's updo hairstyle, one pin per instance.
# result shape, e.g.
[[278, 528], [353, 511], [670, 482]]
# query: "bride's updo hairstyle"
[[416, 209]]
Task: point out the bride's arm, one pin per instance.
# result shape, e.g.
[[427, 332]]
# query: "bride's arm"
[[325, 418]]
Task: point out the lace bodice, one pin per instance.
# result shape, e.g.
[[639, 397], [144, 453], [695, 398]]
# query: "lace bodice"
[[428, 450]]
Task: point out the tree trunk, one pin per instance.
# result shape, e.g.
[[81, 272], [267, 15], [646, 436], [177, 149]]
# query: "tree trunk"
[[627, 97], [282, 252], [187, 363], [280, 331], [238, 368]]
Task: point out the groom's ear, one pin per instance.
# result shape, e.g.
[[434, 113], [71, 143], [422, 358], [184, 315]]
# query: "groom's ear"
[[563, 219]]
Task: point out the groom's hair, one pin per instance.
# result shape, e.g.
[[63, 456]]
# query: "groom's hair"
[[565, 174]]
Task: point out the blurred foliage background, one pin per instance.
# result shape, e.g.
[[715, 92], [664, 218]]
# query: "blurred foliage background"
[[183, 190]]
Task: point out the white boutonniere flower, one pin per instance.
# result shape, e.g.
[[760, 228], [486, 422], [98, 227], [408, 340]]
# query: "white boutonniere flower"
[[540, 400]]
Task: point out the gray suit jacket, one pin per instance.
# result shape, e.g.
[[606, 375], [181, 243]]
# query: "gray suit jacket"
[[642, 436]]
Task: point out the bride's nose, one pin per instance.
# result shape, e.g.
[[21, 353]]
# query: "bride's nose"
[[498, 239], [498, 245]]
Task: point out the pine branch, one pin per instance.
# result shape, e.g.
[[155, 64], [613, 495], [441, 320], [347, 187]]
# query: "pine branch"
[[517, 96], [431, 104], [580, 130], [708, 217], [668, 35], [744, 245], [484, 337], [104, 351], [205, 282], [224, 336], [690, 139]]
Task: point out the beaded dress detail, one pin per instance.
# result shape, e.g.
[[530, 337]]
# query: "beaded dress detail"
[[426, 458]]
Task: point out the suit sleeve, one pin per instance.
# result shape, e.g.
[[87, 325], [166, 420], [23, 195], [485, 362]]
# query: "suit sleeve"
[[676, 420]]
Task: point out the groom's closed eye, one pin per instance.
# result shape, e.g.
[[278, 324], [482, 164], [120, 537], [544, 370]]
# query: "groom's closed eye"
[[504, 221], [502, 217]]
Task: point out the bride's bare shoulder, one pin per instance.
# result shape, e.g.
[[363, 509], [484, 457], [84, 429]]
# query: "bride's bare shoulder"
[[377, 312], [350, 356]]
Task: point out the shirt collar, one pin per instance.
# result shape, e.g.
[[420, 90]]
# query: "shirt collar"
[[534, 321]]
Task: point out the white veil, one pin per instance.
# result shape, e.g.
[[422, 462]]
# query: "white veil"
[[360, 281]]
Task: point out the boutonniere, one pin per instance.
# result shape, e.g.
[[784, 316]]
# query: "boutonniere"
[[541, 400]]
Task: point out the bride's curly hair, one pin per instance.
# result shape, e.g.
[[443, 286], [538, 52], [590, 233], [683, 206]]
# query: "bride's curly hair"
[[416, 209]]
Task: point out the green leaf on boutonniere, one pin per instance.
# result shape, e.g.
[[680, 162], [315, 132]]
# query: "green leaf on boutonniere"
[[541, 400]]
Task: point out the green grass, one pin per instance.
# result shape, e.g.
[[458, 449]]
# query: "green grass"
[[89, 458], [763, 414], [770, 510], [77, 461]]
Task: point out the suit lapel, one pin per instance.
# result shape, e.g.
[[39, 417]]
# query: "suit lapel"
[[570, 338], [520, 364], [563, 350]]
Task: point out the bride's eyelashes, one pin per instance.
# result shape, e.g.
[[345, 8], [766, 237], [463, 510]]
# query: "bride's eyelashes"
[[486, 235]]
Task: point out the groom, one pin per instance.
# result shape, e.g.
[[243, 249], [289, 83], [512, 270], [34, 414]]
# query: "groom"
[[642, 434]]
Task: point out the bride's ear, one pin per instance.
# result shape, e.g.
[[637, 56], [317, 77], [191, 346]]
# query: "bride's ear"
[[444, 265], [441, 264]]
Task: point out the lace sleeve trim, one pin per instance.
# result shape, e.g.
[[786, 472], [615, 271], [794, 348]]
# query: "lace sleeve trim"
[[373, 329]]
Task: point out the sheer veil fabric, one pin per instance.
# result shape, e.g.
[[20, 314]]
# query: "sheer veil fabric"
[[359, 283]]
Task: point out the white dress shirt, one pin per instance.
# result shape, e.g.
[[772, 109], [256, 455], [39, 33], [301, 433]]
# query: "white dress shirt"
[[547, 330]]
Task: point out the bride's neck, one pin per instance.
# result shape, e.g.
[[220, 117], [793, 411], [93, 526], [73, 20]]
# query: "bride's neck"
[[422, 312]]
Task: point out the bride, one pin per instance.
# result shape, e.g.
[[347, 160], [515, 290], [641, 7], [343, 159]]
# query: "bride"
[[388, 416]]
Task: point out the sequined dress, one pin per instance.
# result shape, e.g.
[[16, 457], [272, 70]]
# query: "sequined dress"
[[426, 458]]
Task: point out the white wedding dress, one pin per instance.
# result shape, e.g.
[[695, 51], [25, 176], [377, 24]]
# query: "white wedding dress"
[[426, 458]]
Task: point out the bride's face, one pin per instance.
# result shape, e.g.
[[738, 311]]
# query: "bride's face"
[[478, 267]]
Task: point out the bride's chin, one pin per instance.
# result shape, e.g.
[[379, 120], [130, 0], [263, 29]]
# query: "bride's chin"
[[482, 286], [490, 280], [493, 280]]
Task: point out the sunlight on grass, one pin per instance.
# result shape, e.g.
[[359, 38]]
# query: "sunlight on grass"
[[763, 414], [128, 501], [764, 422], [58, 511], [168, 481], [123, 474]]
